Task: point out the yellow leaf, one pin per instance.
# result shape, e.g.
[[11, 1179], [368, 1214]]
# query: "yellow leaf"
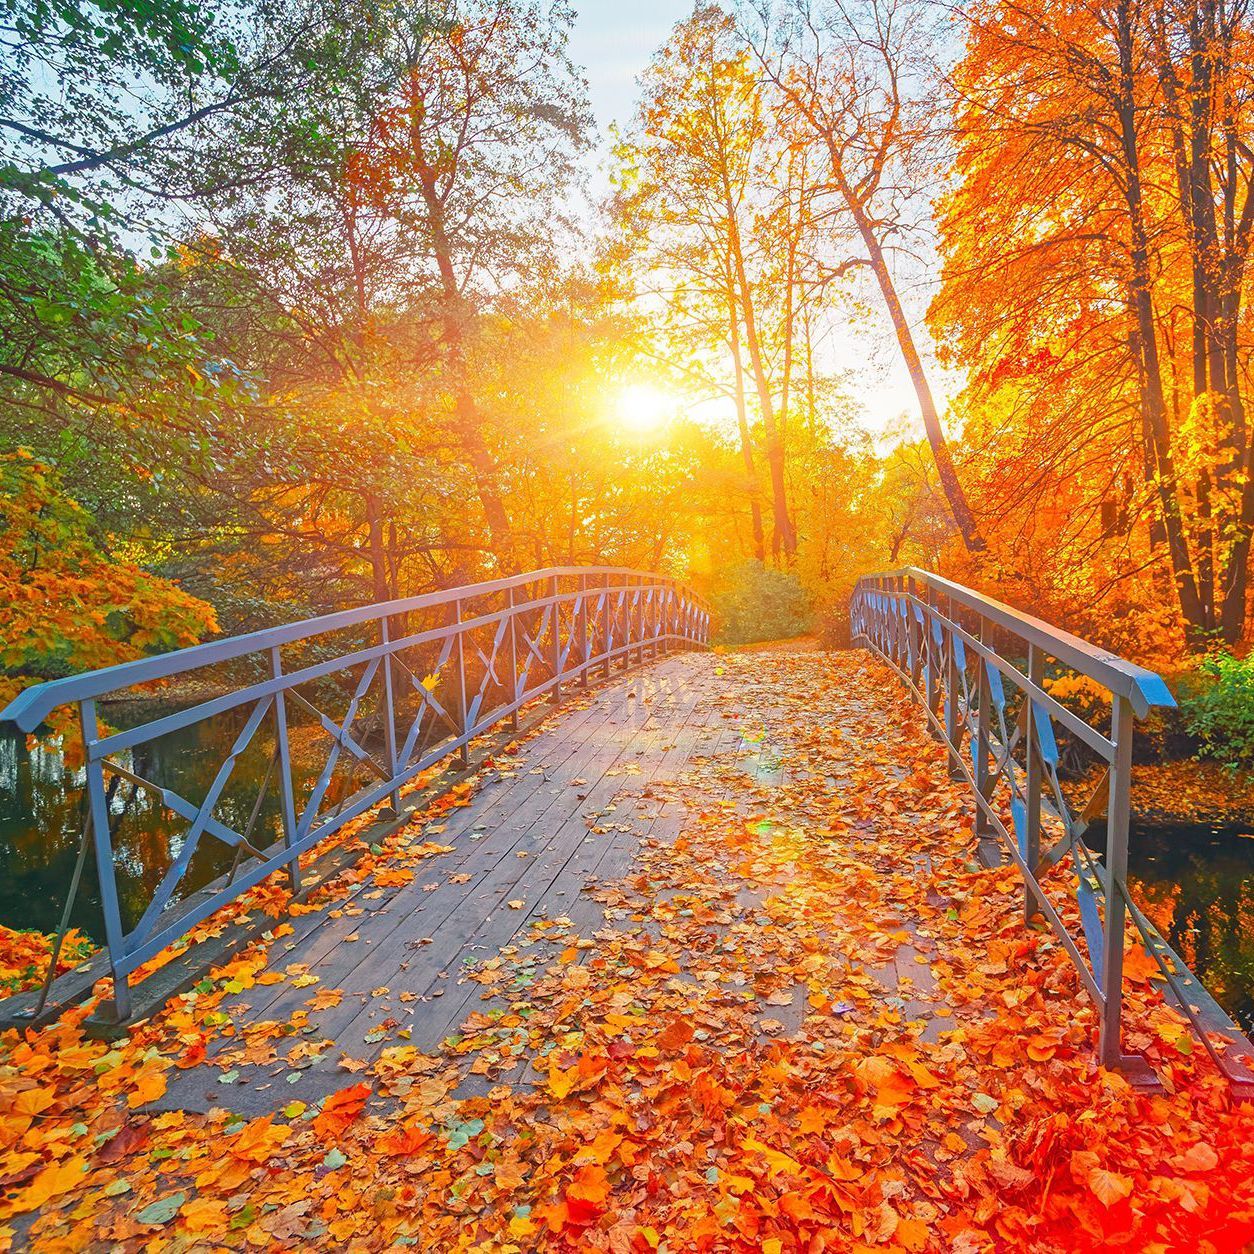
[[1109, 1187]]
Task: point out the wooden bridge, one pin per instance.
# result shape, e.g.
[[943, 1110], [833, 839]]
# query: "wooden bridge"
[[766, 889]]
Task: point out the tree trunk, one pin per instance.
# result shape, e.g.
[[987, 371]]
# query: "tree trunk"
[[1153, 399], [945, 469], [746, 447], [378, 552], [465, 413], [783, 537]]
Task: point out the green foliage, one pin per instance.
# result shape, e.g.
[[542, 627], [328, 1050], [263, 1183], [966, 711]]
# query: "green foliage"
[[66, 605], [753, 601], [1218, 708]]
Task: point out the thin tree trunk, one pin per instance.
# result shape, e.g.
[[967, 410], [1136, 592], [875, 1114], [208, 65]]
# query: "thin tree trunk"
[[746, 446], [378, 551], [465, 413], [964, 518], [783, 537]]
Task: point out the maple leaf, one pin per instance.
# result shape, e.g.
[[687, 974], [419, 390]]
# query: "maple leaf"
[[677, 1033], [586, 1195], [404, 1141], [561, 1081], [204, 1214], [339, 1110], [54, 1179], [150, 1084], [258, 1139]]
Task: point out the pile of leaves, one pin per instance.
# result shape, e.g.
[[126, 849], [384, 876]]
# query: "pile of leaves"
[[24, 957], [808, 1022]]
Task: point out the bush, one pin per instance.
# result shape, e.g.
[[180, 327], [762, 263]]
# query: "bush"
[[1218, 708], [753, 602]]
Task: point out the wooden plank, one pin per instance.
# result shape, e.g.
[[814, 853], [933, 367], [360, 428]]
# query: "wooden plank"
[[483, 922], [513, 815], [318, 934], [564, 896]]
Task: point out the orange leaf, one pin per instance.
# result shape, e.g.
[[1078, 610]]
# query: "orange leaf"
[[405, 1141], [257, 1140], [149, 1085], [1108, 1186], [340, 1109], [561, 1082], [586, 1194], [54, 1179], [677, 1033]]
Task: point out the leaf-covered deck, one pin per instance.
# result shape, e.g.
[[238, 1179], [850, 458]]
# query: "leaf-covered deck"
[[699, 966], [503, 870]]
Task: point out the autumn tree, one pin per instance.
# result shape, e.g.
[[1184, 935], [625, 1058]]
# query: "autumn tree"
[[699, 202], [1103, 299], [850, 86], [477, 139], [65, 603]]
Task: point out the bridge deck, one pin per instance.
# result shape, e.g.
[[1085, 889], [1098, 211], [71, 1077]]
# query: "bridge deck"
[[696, 960], [525, 870], [565, 812]]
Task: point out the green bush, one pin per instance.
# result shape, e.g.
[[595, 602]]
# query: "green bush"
[[1218, 708], [752, 602]]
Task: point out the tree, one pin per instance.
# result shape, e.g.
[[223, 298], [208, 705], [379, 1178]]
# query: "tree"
[[1117, 125], [697, 199], [478, 139], [65, 604], [848, 87]]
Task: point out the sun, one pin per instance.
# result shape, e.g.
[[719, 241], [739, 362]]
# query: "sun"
[[643, 409]]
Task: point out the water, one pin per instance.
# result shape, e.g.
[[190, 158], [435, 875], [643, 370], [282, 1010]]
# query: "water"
[[1196, 882], [41, 820]]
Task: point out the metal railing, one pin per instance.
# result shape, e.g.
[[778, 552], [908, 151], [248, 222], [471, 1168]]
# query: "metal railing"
[[979, 668], [417, 680]]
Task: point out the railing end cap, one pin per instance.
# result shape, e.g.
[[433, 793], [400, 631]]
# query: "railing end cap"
[[1151, 693], [20, 712]]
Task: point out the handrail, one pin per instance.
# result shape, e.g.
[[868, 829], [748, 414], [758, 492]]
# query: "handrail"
[[479, 653], [33, 705], [999, 722], [1144, 688]]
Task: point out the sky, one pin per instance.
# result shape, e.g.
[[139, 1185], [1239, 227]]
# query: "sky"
[[613, 40]]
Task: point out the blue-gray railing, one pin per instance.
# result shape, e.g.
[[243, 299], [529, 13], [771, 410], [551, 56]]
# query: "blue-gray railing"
[[979, 668], [419, 679]]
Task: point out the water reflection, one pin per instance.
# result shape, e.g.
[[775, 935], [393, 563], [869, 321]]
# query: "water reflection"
[[1196, 881], [41, 818]]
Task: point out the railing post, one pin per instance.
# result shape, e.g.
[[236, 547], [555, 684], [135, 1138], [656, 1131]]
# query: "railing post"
[[102, 839], [513, 661], [583, 631], [555, 624], [1033, 779], [607, 633], [952, 733], [640, 619], [1117, 820], [287, 793], [983, 730], [933, 662], [464, 752], [914, 633], [389, 712]]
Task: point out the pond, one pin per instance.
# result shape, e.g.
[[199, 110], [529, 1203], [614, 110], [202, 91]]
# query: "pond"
[[41, 821], [1195, 879], [1196, 882]]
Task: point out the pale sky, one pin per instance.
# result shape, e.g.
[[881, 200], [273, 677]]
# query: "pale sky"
[[613, 40]]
